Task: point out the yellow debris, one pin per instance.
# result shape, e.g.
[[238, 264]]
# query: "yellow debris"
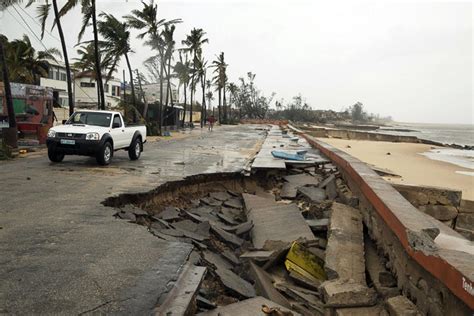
[[301, 260]]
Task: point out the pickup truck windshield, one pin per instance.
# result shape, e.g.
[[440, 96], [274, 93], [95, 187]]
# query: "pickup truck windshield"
[[90, 118]]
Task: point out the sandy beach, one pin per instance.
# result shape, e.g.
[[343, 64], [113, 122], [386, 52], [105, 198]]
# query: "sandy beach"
[[406, 160]]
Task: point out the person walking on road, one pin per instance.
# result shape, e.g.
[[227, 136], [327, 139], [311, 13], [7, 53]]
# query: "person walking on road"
[[211, 121]]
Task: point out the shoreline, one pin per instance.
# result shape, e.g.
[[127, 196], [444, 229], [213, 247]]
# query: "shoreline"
[[409, 162]]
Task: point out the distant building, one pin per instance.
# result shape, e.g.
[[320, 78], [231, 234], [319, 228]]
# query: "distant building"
[[56, 80], [152, 92], [85, 91]]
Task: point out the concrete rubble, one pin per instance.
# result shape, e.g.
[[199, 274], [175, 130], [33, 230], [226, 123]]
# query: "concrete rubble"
[[291, 243]]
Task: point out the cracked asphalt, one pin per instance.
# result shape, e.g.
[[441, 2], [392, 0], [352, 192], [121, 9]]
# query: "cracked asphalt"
[[62, 252]]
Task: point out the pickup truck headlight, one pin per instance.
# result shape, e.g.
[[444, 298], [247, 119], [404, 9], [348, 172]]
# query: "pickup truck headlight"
[[92, 136], [51, 133]]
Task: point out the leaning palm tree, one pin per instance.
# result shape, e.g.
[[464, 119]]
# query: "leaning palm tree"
[[194, 42], [88, 15], [43, 13], [116, 41]]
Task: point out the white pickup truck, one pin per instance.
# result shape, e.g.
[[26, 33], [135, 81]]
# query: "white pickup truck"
[[97, 134]]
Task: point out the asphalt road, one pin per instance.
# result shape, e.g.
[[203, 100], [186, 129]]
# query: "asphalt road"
[[62, 252]]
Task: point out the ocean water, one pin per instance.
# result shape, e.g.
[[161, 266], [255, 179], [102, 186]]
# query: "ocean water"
[[459, 134]]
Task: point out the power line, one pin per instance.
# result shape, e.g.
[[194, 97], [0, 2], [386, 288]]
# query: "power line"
[[28, 26], [37, 23]]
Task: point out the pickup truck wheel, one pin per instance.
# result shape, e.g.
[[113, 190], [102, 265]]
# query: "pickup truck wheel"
[[135, 149], [105, 154], [55, 156]]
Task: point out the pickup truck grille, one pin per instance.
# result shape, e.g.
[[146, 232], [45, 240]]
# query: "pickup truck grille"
[[72, 135]]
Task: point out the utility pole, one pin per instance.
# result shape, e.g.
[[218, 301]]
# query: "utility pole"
[[10, 134]]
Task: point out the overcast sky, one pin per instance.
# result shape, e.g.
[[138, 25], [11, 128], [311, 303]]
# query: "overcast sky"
[[408, 59]]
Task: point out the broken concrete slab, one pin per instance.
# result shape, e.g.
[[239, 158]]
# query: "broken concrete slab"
[[308, 298], [318, 224], [258, 255], [226, 219], [288, 191], [312, 194], [231, 257], [271, 222], [345, 237], [180, 300], [302, 179], [126, 215], [202, 302], [227, 237], [303, 281], [241, 228], [169, 214], [216, 260], [253, 202], [235, 283], [252, 306], [347, 293], [331, 190], [231, 212], [210, 201], [264, 285], [220, 196], [233, 203], [401, 306], [326, 181]]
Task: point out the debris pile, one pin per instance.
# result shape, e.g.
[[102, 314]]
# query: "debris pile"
[[296, 247]]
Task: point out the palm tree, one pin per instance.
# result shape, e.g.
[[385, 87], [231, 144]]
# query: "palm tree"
[[167, 34], [117, 43], [25, 64], [43, 13], [182, 72], [8, 95], [88, 14], [201, 67], [232, 87], [194, 42], [146, 20], [220, 79]]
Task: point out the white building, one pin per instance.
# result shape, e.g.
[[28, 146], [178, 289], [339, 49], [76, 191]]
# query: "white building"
[[152, 92], [85, 91], [57, 81]]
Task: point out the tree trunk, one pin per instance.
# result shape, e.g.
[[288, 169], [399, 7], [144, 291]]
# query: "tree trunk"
[[169, 97], [66, 59], [10, 134], [225, 105], [134, 115], [203, 108], [160, 126], [184, 105], [97, 58], [220, 99], [191, 105]]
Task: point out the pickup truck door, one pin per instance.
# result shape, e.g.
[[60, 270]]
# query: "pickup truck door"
[[118, 132]]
